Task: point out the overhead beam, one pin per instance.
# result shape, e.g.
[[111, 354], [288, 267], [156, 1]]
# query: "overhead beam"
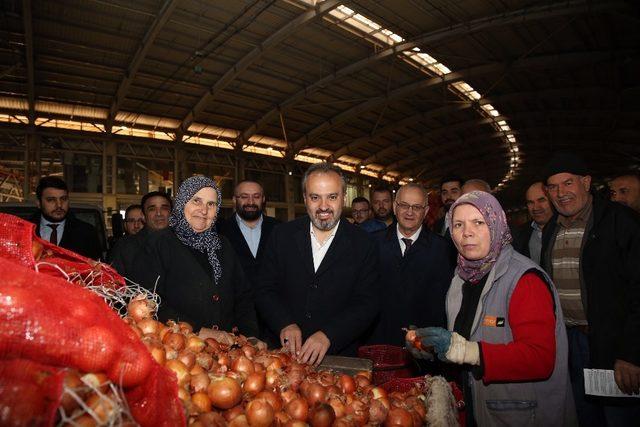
[[28, 42], [258, 52], [518, 16], [553, 61], [351, 145], [147, 41]]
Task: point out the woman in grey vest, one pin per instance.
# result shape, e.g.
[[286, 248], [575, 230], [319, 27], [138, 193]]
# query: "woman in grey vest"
[[505, 325]]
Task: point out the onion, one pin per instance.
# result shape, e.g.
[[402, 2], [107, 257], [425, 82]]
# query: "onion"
[[315, 393], [209, 419], [281, 418], [296, 423], [273, 398], [148, 326], [188, 358], [362, 381], [199, 382], [96, 381], [212, 346], [195, 344], [201, 402], [239, 421], [398, 417], [338, 407], [254, 384], [378, 392], [272, 379], [294, 378], [205, 360], [298, 409], [249, 351], [175, 340], [321, 415], [231, 413], [104, 409], [343, 422], [181, 371], [224, 392], [327, 378], [358, 412], [197, 369], [72, 381], [259, 413], [140, 308], [288, 395], [185, 328], [377, 412], [157, 350], [243, 365]]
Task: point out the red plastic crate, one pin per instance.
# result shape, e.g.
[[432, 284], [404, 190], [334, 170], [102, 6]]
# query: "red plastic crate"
[[385, 356]]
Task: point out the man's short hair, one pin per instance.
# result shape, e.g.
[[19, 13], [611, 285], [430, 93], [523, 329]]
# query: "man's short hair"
[[245, 181], [479, 182], [323, 167], [383, 189], [50, 182], [417, 186], [130, 208], [359, 199], [632, 175], [451, 178], [154, 194]]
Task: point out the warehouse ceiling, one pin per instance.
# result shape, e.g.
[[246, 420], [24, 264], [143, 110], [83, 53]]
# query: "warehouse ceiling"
[[397, 89]]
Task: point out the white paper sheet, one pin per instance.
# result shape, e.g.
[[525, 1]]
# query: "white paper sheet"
[[601, 382]]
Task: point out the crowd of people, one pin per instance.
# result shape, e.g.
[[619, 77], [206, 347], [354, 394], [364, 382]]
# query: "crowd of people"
[[519, 311]]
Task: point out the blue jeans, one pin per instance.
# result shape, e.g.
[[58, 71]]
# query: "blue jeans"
[[591, 412]]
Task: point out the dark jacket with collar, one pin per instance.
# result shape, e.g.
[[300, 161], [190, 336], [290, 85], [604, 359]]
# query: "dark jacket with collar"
[[78, 236], [413, 287], [340, 299], [521, 237], [127, 253], [610, 280], [231, 230], [188, 291]]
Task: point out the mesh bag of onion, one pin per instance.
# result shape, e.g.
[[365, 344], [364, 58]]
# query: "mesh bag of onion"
[[56, 323]]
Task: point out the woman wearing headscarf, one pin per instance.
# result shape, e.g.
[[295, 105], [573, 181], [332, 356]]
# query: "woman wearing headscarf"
[[199, 278], [505, 324]]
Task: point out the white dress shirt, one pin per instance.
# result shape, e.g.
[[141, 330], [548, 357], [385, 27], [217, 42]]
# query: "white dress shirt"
[[318, 249], [413, 237], [251, 234], [45, 230]]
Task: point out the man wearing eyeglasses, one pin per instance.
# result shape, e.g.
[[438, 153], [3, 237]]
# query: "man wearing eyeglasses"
[[360, 210], [415, 268], [133, 220]]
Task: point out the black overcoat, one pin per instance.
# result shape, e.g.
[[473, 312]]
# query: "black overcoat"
[[413, 287], [78, 236], [340, 299]]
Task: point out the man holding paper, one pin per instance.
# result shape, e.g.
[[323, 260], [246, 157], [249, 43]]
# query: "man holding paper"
[[591, 248]]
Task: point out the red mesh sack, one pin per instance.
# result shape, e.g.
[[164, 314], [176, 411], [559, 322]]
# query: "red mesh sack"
[[57, 323], [30, 393], [389, 362], [19, 243]]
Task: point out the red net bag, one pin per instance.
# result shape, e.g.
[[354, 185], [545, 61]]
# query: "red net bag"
[[19, 243], [389, 362], [30, 393], [53, 322]]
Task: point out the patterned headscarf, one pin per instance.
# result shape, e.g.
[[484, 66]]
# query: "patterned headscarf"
[[208, 241], [496, 220]]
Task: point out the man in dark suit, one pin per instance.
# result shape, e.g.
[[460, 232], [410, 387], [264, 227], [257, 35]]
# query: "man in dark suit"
[[128, 251], [318, 284], [248, 229], [415, 270], [527, 239], [56, 224]]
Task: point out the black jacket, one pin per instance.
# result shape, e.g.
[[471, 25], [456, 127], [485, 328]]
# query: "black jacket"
[[610, 276], [79, 236], [413, 287], [188, 292], [230, 229], [126, 253], [340, 299], [521, 236]]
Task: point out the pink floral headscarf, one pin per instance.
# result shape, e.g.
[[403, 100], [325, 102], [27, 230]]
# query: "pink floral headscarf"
[[494, 216]]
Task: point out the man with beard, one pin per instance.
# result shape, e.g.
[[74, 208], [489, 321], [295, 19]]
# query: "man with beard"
[[318, 284], [248, 229], [527, 239], [450, 190], [58, 225], [381, 199]]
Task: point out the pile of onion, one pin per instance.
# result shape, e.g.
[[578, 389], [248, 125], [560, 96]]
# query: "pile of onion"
[[229, 381]]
